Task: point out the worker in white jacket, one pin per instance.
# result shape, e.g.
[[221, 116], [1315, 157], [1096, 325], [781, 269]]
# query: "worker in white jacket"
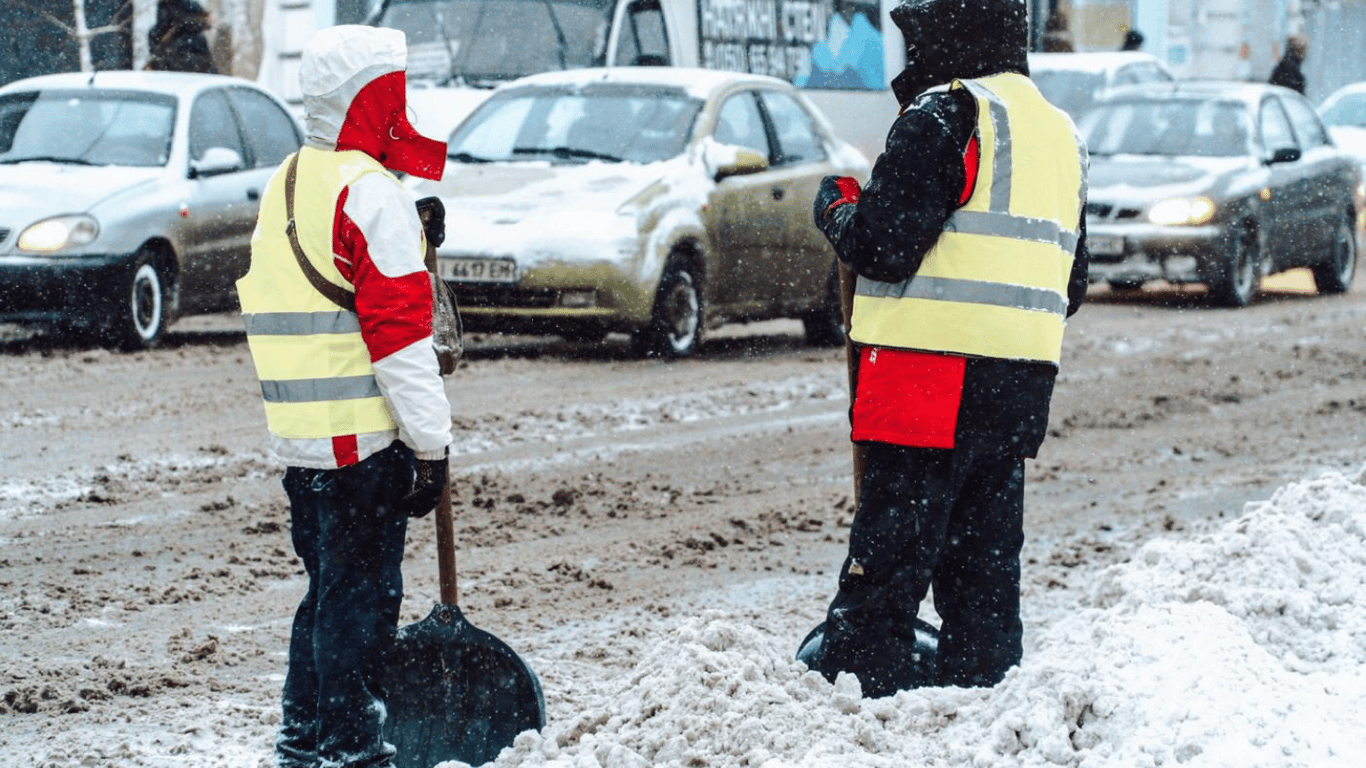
[[338, 311]]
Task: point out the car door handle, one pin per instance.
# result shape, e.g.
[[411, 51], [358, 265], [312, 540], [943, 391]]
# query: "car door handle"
[[778, 193], [253, 194]]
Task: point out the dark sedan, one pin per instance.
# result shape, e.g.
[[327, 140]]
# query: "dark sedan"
[[1218, 183]]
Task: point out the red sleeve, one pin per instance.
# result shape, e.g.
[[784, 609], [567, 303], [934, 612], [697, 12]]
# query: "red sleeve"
[[394, 312]]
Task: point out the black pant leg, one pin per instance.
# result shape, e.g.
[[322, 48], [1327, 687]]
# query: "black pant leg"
[[977, 581]]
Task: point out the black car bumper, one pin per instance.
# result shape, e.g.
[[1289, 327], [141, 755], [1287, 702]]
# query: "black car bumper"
[[59, 290]]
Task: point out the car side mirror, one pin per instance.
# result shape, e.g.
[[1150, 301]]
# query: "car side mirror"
[[725, 161], [216, 160], [1285, 155]]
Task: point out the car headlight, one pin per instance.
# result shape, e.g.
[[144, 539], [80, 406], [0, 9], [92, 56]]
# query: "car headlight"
[[1180, 211], [59, 232]]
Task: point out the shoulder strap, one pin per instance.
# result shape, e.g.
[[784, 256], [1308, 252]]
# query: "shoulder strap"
[[333, 292]]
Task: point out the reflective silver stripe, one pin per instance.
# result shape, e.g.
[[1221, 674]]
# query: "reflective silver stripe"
[[320, 390], [1015, 227], [1002, 159], [967, 291], [300, 323], [1001, 172]]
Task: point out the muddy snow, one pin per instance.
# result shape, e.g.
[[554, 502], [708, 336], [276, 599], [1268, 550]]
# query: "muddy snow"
[[655, 539]]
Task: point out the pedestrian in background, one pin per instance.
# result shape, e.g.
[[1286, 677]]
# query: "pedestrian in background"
[[338, 311], [1288, 71], [1133, 41], [1057, 33], [177, 41], [968, 246]]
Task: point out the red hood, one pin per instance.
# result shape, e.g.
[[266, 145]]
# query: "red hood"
[[377, 124]]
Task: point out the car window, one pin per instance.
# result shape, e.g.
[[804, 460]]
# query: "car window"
[[1072, 91], [1275, 127], [631, 123], [739, 123], [1183, 127], [1141, 72], [1306, 123], [212, 125], [92, 127], [798, 141], [269, 130], [1348, 110]]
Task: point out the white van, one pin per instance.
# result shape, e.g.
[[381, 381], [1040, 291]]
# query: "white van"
[[842, 54]]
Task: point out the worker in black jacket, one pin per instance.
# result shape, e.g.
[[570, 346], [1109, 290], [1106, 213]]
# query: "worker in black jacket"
[[968, 246]]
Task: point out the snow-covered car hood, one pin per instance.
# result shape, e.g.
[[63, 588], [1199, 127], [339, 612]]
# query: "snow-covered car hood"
[[32, 191], [538, 211]]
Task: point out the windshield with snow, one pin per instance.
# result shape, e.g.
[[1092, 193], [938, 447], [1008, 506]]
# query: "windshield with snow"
[[608, 123], [482, 42], [1182, 127], [86, 127]]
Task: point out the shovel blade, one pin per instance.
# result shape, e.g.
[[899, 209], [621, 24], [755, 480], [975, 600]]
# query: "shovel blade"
[[456, 692]]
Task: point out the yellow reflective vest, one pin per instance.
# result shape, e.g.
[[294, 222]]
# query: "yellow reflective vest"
[[314, 368], [995, 283]]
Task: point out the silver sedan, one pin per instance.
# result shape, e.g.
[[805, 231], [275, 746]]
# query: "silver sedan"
[[128, 199]]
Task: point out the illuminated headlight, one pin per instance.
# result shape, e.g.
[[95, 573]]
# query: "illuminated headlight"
[[579, 299], [59, 232], [1182, 211]]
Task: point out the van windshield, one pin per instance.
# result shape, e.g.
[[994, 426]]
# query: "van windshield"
[[484, 42]]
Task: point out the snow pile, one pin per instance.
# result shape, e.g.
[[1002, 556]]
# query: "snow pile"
[[1238, 647]]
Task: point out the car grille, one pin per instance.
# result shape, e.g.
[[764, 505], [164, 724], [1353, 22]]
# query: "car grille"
[[4, 233], [472, 295], [1108, 212]]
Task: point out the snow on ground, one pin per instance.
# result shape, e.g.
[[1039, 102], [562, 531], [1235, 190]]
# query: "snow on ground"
[[1239, 646], [1233, 645]]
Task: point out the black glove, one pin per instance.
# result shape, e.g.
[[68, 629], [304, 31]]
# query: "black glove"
[[431, 478], [833, 192], [433, 215]]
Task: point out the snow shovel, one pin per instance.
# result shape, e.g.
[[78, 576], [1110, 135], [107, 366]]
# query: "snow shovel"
[[455, 692], [926, 635]]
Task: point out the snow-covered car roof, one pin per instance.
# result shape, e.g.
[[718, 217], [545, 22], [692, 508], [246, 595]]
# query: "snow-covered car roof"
[[178, 83], [696, 82], [1227, 90], [1089, 61]]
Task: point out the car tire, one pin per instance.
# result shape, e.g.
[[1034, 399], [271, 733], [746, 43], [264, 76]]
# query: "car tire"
[[1125, 285], [1239, 277], [825, 326], [675, 329], [137, 318], [1335, 275]]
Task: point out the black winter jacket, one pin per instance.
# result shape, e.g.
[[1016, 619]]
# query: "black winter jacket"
[[915, 185]]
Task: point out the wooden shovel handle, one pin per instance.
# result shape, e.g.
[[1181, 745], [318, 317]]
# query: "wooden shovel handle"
[[848, 280], [445, 546]]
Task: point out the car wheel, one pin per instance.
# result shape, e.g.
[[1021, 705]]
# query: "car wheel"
[[1335, 275], [675, 328], [138, 310], [1238, 277], [825, 326]]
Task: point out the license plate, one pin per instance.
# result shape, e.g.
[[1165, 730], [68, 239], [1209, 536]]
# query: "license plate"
[[478, 270], [1105, 245]]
